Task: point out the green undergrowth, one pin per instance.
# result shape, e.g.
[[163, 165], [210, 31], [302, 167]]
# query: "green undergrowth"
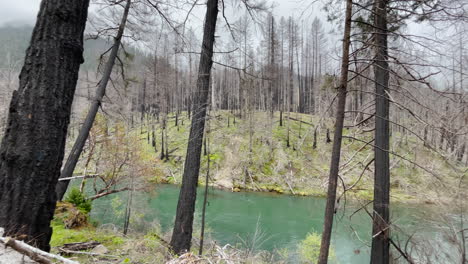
[[62, 235], [81, 230], [150, 247]]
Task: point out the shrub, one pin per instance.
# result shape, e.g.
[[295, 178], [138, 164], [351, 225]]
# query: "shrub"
[[309, 248], [78, 199]]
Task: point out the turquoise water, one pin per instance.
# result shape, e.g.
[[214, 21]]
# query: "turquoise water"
[[282, 220]]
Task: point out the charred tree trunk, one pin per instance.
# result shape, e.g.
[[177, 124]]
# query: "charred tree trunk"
[[338, 135], [182, 234], [33, 145], [380, 232], [205, 197], [314, 145], [75, 153], [281, 118], [163, 144], [153, 136]]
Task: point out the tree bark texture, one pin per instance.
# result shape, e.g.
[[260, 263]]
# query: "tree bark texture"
[[338, 136], [32, 149], [182, 234], [75, 153], [380, 251]]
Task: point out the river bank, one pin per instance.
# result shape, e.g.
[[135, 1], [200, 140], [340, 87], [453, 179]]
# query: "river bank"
[[265, 156], [260, 225]]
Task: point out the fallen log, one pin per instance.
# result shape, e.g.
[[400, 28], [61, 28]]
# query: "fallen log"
[[32, 252], [86, 253], [80, 246], [297, 120]]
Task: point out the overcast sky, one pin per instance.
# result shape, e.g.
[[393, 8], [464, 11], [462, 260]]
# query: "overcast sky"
[[18, 10], [25, 11]]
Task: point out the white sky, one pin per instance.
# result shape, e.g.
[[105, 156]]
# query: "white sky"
[[19, 12], [25, 11]]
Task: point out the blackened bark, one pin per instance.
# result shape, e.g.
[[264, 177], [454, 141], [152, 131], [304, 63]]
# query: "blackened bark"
[[75, 153], [314, 145], [183, 226], [163, 153], [33, 146], [205, 199], [281, 118], [380, 232], [338, 136], [153, 137], [142, 96]]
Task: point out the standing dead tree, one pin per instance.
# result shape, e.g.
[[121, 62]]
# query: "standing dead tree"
[[380, 252], [33, 146], [75, 153], [183, 226], [336, 152]]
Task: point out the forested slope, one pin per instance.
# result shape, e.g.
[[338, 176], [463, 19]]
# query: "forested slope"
[[253, 154]]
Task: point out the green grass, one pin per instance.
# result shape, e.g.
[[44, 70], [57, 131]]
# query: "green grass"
[[61, 235]]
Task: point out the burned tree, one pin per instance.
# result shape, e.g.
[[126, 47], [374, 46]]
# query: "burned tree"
[[380, 232], [33, 146], [75, 153], [336, 151], [183, 226]]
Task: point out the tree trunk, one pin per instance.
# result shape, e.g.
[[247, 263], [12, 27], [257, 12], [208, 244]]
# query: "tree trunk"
[[33, 146], [163, 144], [205, 198], [75, 153], [328, 139], [380, 238], [314, 145], [182, 234], [338, 135]]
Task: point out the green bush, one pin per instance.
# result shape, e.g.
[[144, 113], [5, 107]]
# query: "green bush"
[[309, 248], [78, 199]]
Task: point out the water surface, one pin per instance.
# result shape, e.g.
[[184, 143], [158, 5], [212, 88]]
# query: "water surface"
[[280, 221]]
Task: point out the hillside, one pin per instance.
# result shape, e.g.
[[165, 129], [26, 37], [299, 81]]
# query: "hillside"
[[14, 41], [419, 175]]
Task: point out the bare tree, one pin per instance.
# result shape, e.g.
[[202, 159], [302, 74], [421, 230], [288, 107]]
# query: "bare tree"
[[183, 226], [75, 153], [33, 146], [336, 152], [380, 251]]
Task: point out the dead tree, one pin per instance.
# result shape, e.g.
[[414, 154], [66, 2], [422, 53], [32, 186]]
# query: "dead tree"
[[336, 151], [33, 146], [75, 153], [183, 226], [380, 251]]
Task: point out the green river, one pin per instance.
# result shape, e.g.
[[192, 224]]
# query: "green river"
[[282, 220]]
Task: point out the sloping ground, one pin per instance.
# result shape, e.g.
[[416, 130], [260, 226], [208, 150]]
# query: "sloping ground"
[[253, 153]]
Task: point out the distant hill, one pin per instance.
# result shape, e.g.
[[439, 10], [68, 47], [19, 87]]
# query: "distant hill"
[[14, 41]]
